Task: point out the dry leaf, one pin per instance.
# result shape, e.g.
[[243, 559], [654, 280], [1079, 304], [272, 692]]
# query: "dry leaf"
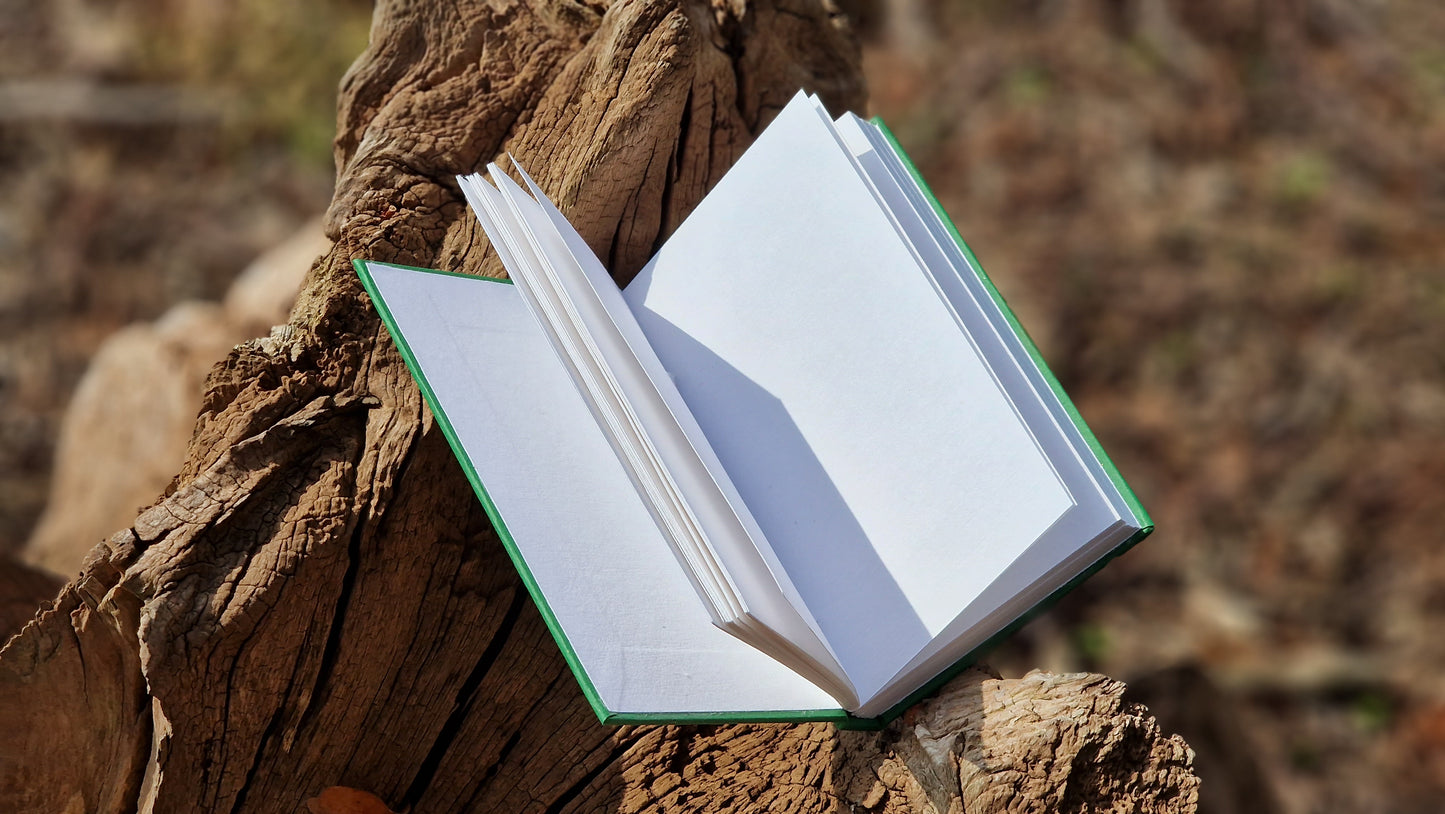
[[342, 800]]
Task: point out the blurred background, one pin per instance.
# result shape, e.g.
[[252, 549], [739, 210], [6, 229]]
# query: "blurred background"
[[1223, 223]]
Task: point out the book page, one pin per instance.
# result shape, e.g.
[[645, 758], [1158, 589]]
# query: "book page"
[[577, 348], [959, 289], [576, 525], [863, 428], [963, 287], [681, 483], [1088, 531]]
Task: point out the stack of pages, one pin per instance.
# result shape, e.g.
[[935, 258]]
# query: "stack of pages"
[[803, 467]]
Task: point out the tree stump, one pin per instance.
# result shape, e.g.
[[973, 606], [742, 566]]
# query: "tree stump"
[[318, 600]]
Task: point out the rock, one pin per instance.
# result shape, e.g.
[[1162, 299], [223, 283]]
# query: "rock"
[[125, 431]]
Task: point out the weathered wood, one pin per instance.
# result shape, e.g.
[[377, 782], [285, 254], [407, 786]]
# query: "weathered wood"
[[319, 601]]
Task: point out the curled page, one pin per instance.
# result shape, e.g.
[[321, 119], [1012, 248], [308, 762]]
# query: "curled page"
[[713, 537]]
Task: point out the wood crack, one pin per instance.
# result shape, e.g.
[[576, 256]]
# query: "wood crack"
[[574, 791], [256, 759], [335, 631], [462, 704]]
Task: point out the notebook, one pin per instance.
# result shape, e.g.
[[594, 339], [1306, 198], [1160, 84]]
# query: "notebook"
[[806, 466]]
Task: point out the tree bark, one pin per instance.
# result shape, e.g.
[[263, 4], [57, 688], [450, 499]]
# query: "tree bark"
[[318, 600]]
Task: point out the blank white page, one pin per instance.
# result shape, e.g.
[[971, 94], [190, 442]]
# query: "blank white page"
[[885, 466], [620, 597], [963, 285]]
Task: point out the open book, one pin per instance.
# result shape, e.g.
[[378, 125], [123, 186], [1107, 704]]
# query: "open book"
[[803, 465]]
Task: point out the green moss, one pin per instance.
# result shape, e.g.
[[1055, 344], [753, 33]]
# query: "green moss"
[[1092, 641], [1429, 71], [1339, 283], [1027, 86], [1305, 756], [1372, 711], [280, 63], [1301, 180]]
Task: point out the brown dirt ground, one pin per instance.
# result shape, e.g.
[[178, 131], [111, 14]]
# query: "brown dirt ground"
[[1221, 222]]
